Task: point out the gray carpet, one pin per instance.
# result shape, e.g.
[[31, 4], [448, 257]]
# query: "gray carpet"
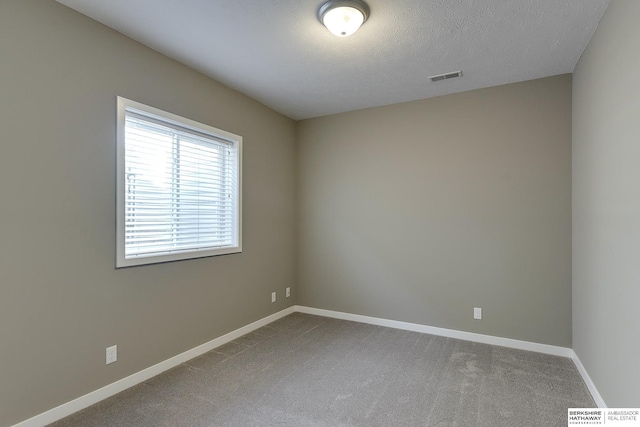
[[307, 370]]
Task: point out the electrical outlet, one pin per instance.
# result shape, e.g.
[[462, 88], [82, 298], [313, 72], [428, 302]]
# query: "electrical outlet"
[[477, 313], [288, 292], [112, 354], [273, 297]]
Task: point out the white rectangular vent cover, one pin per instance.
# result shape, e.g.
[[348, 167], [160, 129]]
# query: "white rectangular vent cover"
[[446, 76]]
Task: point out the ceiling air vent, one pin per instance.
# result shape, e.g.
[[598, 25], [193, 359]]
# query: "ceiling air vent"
[[446, 76]]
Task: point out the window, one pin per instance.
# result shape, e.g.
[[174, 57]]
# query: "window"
[[178, 187]]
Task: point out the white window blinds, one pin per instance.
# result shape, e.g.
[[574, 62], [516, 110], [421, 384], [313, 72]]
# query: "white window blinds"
[[180, 190]]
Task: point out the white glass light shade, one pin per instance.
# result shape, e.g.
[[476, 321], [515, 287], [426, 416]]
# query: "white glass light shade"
[[343, 21]]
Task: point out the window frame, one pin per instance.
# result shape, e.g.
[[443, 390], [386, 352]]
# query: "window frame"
[[124, 104]]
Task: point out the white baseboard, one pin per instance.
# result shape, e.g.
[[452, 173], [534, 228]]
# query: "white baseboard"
[[450, 333], [467, 336], [587, 380], [96, 396]]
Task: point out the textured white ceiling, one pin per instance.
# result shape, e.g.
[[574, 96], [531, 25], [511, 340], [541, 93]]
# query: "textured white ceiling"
[[277, 52]]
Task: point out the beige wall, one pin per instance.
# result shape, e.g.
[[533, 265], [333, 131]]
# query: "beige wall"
[[420, 211], [606, 206], [415, 212], [61, 300]]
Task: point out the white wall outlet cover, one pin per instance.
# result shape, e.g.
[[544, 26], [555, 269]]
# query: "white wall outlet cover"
[[273, 297], [112, 354], [288, 293], [477, 313]]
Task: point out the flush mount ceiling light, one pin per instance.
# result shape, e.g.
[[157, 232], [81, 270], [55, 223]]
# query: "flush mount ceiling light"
[[343, 17]]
